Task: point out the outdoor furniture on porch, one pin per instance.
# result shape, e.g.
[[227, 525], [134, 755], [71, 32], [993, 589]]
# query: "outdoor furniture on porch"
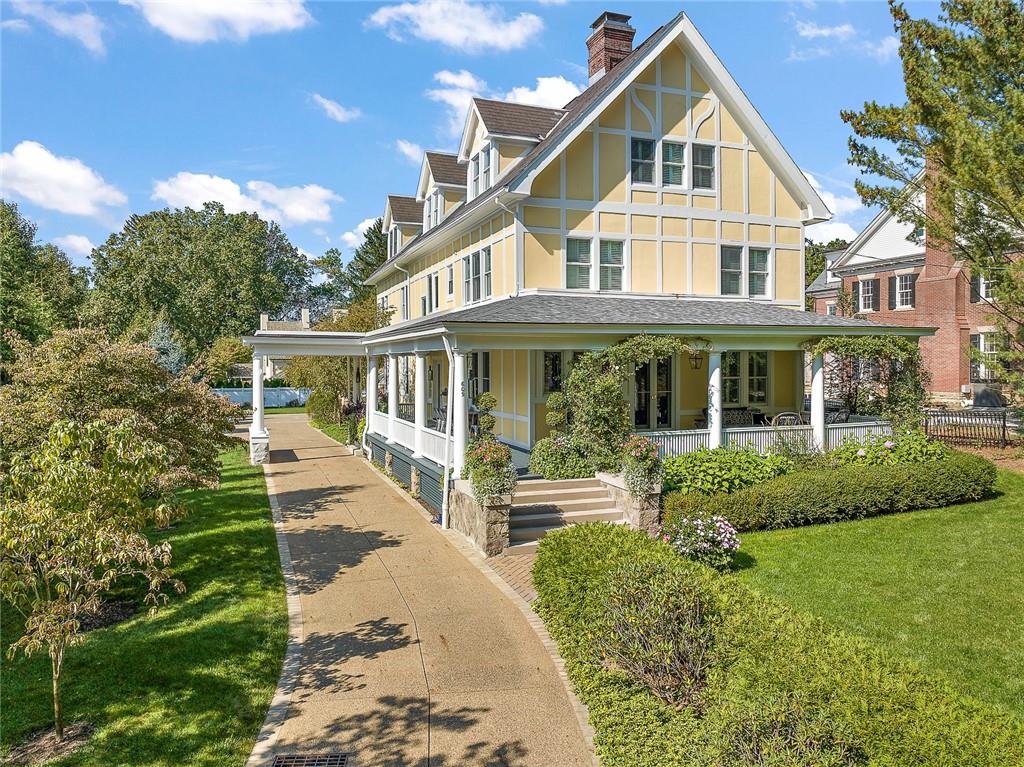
[[787, 419], [836, 416]]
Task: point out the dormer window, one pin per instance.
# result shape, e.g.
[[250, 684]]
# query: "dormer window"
[[436, 207], [394, 238], [474, 176], [485, 169]]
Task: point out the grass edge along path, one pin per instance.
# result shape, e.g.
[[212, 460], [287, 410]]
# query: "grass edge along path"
[[941, 586], [191, 683]]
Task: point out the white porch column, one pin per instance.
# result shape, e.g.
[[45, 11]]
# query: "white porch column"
[[421, 402], [459, 402], [715, 438], [392, 396], [371, 388], [818, 402], [259, 438]]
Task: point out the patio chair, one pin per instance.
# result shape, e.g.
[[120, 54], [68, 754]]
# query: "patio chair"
[[787, 419], [837, 416], [438, 418]]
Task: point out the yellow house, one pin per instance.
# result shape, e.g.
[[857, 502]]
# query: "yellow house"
[[656, 201]]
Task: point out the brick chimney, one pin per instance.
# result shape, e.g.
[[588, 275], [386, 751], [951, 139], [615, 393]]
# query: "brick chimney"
[[610, 42]]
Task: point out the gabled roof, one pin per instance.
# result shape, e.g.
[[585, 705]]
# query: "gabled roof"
[[508, 119], [822, 283], [445, 168], [405, 210], [881, 219]]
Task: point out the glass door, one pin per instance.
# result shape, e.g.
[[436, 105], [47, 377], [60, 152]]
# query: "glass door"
[[652, 395], [663, 394], [642, 397]]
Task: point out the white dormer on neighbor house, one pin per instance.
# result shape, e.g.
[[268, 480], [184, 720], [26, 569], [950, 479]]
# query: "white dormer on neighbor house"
[[656, 201]]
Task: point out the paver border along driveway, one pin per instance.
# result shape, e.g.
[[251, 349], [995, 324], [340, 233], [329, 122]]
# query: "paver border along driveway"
[[409, 654]]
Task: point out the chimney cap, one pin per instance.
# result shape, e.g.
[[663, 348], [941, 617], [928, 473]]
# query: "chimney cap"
[[611, 17]]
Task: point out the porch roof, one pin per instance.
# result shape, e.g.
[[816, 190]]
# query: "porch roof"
[[311, 343], [632, 313]]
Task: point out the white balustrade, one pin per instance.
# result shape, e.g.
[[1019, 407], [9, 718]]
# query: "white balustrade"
[[377, 423], [766, 438], [678, 442], [404, 433], [838, 433], [433, 446]]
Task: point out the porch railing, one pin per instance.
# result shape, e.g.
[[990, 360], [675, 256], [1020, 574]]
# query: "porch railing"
[[838, 433], [678, 442], [433, 446], [377, 423], [404, 434], [763, 438]]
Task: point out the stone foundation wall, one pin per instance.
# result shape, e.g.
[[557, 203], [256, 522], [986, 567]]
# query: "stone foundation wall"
[[642, 514], [485, 526]]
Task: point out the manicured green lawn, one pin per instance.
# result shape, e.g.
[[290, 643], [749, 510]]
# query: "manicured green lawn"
[[190, 684], [944, 587], [284, 410]]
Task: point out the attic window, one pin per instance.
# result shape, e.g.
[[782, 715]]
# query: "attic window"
[[643, 161], [485, 168], [703, 166], [474, 176]]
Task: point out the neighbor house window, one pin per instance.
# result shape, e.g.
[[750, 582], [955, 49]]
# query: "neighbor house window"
[[703, 166], [757, 272], [904, 291], [611, 265], [985, 348], [673, 162], [868, 295], [732, 270], [831, 310], [643, 161], [577, 264]]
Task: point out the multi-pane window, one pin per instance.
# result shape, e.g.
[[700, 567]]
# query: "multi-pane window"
[[436, 207], [904, 290], [485, 169], [432, 300], [757, 272], [393, 240], [867, 295], [643, 161], [577, 264], [552, 372], [757, 377], [703, 166], [476, 276], [866, 369], [985, 347], [732, 270], [451, 280], [673, 163], [731, 378], [474, 176], [479, 373], [611, 265], [831, 310]]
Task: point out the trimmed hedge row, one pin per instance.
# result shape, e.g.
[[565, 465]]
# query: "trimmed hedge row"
[[846, 492], [784, 689]]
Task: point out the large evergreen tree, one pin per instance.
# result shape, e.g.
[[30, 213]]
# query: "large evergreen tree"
[[207, 272], [963, 120], [344, 283], [41, 290]]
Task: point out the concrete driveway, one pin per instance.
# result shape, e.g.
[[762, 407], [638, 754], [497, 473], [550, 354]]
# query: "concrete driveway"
[[409, 655]]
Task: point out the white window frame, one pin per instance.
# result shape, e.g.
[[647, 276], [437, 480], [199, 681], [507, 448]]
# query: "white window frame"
[[474, 175], [694, 166], [589, 263], [599, 265], [866, 306], [652, 163], [477, 276], [436, 208], [984, 288], [404, 302], [486, 163], [904, 291], [744, 376], [988, 346], [831, 310], [681, 164], [767, 271], [722, 270], [451, 281]]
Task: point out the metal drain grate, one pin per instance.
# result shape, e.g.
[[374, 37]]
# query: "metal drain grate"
[[311, 760]]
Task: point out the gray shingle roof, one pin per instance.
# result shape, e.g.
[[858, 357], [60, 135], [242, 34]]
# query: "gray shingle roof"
[[445, 168], [510, 119], [405, 210], [593, 310]]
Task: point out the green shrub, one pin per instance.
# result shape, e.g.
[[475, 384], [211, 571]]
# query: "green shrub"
[[846, 492], [557, 415], [485, 403], [784, 689], [556, 458], [722, 470], [490, 469], [909, 447], [660, 627]]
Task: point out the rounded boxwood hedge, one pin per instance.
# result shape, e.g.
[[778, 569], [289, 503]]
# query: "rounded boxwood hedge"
[[784, 689], [845, 492]]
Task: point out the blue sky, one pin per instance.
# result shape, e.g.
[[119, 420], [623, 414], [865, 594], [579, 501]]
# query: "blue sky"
[[312, 112]]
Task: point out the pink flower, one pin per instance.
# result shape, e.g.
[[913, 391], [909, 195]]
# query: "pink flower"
[[862, 452]]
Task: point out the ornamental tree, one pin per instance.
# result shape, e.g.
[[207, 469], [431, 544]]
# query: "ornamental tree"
[[72, 514], [225, 352], [963, 121], [82, 375]]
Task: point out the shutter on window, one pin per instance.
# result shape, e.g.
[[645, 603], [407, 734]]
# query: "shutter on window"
[[913, 290], [893, 287], [875, 297], [975, 289], [855, 293]]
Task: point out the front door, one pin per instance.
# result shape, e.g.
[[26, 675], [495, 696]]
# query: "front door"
[[652, 395]]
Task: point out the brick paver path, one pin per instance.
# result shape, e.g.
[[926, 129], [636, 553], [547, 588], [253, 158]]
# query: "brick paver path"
[[411, 656], [517, 571]]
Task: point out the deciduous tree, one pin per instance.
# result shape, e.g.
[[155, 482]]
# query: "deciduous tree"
[[345, 283]]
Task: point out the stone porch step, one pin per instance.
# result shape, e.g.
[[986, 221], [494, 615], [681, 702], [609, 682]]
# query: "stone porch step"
[[531, 497], [518, 535], [528, 485], [602, 501], [560, 517]]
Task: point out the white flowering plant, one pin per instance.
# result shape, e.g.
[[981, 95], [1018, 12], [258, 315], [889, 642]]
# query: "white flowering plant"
[[705, 538]]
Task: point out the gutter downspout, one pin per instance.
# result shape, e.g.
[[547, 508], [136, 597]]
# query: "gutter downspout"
[[447, 433]]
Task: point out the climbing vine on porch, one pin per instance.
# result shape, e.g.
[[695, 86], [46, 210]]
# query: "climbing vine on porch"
[[875, 375]]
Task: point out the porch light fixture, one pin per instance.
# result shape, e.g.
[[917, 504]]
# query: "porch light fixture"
[[696, 360]]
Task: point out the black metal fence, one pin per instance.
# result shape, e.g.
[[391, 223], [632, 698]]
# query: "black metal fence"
[[967, 427]]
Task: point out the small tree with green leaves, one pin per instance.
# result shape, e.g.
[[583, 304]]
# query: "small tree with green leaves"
[[223, 353], [72, 515]]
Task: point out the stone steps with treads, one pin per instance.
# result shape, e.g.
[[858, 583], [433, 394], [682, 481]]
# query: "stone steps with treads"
[[540, 506]]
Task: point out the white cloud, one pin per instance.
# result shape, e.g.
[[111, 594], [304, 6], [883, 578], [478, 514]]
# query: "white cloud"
[[884, 49], [809, 54], [15, 25], [461, 87], [553, 92], [336, 111], [809, 29], [84, 26], [827, 231], [354, 238], [78, 244], [286, 205], [199, 21], [410, 151], [458, 24], [65, 184], [840, 205]]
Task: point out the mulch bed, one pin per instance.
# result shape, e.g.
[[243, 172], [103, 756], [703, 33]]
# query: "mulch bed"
[[109, 613], [1011, 457], [44, 746]]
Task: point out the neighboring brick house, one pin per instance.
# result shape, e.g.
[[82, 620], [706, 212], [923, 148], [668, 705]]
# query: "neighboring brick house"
[[896, 274]]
